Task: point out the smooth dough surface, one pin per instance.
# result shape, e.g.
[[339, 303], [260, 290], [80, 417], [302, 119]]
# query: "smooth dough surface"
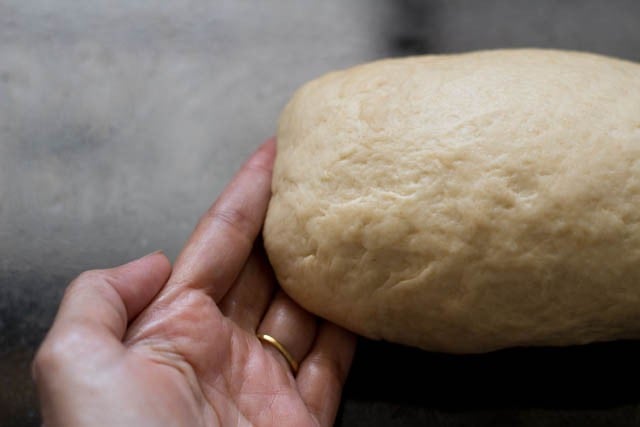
[[464, 203]]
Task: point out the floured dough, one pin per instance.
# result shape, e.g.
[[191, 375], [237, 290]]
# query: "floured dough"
[[464, 203]]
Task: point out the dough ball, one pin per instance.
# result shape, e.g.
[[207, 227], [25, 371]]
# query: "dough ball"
[[464, 203]]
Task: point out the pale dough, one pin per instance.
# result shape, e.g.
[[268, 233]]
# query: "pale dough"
[[464, 203]]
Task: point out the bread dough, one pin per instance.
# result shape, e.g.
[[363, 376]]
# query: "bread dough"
[[464, 203]]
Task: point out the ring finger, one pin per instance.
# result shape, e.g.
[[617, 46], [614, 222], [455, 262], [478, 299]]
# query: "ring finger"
[[247, 300], [291, 326]]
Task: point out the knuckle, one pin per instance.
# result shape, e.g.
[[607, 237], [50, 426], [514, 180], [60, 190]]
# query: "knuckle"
[[59, 349], [48, 358], [259, 165], [332, 368], [92, 278], [234, 218]]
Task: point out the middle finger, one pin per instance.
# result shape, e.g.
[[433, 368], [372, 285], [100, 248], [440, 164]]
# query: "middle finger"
[[248, 298]]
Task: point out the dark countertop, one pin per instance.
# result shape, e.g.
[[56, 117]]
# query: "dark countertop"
[[119, 126]]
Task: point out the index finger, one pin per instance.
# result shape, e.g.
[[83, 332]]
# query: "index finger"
[[222, 241]]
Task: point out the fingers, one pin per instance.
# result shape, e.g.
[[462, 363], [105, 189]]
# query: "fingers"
[[222, 240], [247, 300], [324, 371], [291, 326]]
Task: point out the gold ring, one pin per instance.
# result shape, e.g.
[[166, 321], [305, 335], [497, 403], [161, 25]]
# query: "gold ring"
[[274, 342]]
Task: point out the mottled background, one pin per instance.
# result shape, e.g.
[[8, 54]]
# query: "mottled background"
[[120, 121]]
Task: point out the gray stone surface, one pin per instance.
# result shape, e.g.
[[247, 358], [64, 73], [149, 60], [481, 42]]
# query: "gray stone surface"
[[121, 121]]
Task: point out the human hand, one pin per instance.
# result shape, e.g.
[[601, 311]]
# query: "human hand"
[[141, 345]]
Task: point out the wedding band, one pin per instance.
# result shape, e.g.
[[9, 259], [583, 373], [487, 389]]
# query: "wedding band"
[[293, 364]]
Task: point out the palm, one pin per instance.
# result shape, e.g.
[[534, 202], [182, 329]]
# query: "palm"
[[196, 342], [237, 380]]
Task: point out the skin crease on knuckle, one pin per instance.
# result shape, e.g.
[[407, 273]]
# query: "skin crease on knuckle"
[[234, 218]]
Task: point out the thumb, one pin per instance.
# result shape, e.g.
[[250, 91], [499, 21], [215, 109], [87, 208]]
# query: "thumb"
[[110, 298], [87, 332], [97, 307]]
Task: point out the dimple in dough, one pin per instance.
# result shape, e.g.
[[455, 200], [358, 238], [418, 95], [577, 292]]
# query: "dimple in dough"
[[464, 203]]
